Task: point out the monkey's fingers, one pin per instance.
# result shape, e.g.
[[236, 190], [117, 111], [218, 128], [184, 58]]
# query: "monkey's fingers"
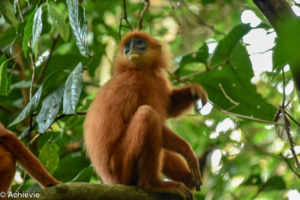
[[198, 92], [196, 175]]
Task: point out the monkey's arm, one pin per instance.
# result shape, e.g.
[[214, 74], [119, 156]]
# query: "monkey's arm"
[[181, 99], [26, 159]]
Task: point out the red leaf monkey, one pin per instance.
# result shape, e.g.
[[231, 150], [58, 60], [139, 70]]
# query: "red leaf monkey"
[[125, 132], [12, 150]]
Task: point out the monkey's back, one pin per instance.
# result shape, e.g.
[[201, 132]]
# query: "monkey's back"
[[111, 111]]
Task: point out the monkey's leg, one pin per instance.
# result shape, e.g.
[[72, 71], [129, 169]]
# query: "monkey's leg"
[[7, 169], [142, 147], [175, 168], [173, 142]]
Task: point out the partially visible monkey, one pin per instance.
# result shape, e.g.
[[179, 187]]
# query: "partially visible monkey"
[[12, 150], [125, 132]]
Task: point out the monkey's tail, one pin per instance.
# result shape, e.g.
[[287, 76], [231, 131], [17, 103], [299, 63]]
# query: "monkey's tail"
[[27, 160]]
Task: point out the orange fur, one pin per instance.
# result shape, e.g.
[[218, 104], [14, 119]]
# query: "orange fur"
[[12, 150], [125, 132]]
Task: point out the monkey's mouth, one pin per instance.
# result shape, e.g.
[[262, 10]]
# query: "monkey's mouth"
[[134, 56]]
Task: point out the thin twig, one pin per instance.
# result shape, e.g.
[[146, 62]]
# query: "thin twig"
[[48, 59], [227, 97], [292, 118], [243, 116], [20, 12], [291, 168], [125, 18], [292, 147], [147, 2], [32, 76], [283, 90]]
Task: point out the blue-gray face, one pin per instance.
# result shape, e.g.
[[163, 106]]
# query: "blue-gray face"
[[135, 46]]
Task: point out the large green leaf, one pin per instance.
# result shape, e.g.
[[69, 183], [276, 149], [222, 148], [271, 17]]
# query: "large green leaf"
[[59, 21], [226, 45], [49, 156], [73, 87], [79, 26], [66, 170], [30, 107], [37, 29], [27, 33], [229, 87], [49, 110], [84, 176], [5, 80], [275, 183]]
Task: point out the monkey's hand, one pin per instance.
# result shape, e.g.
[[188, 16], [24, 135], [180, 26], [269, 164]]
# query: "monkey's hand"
[[196, 175], [198, 92]]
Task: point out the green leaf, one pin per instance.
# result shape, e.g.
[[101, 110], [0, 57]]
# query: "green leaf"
[[37, 29], [59, 21], [287, 45], [84, 176], [79, 26], [66, 170], [49, 110], [49, 156], [200, 56], [6, 9], [30, 107], [73, 87], [275, 183], [5, 81], [226, 45], [8, 36], [27, 33]]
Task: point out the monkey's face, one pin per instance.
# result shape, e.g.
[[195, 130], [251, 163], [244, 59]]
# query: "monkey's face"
[[135, 48]]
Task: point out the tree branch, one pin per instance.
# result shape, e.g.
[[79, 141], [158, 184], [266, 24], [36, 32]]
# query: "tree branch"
[[86, 191], [125, 18], [140, 26]]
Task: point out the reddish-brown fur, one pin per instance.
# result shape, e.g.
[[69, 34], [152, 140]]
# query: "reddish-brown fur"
[[125, 132], [12, 150]]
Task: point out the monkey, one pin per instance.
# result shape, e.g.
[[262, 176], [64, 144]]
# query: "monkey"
[[125, 133], [12, 150]]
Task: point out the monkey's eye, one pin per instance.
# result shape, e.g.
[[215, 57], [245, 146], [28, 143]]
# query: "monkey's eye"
[[140, 42]]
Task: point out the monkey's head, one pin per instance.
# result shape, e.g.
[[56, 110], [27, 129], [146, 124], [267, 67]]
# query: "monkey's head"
[[139, 50]]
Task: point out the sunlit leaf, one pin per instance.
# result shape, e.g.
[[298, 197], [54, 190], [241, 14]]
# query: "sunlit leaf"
[[30, 107], [226, 45], [85, 175], [37, 29], [79, 26], [59, 21], [49, 110], [72, 91], [49, 156], [229, 87]]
